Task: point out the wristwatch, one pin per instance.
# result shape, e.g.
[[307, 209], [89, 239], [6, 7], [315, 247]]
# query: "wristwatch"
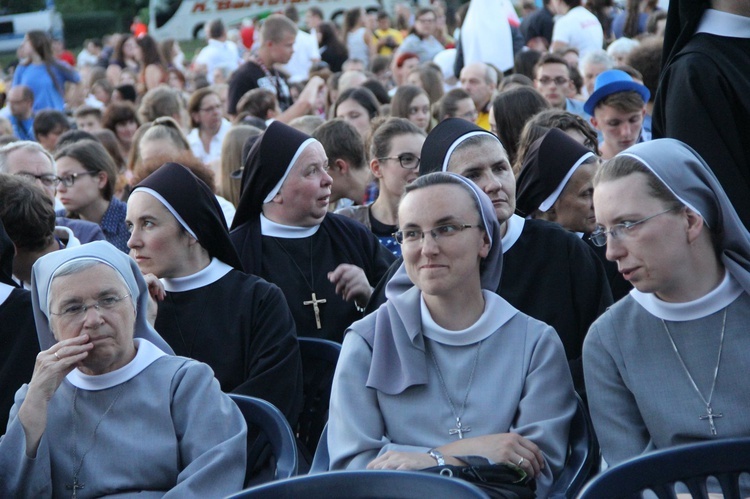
[[438, 456]]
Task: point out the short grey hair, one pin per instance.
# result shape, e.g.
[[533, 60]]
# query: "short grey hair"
[[599, 56], [20, 145]]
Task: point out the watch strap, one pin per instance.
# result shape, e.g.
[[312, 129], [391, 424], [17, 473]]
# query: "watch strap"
[[438, 456]]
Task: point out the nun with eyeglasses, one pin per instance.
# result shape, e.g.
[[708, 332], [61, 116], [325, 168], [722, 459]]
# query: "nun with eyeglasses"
[[667, 365]]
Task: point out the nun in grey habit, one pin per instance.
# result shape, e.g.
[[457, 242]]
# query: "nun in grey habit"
[[109, 409], [409, 393], [667, 364]]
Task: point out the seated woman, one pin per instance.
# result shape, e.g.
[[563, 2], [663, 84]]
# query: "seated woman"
[[396, 146], [88, 177], [109, 410], [667, 365], [555, 184], [449, 369], [212, 311]]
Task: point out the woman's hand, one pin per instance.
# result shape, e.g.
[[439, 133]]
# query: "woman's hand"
[[500, 448], [51, 367], [156, 294], [395, 460], [54, 364], [351, 283]]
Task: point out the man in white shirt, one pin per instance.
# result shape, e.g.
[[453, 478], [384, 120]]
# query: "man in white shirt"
[[306, 51], [577, 27], [219, 52]]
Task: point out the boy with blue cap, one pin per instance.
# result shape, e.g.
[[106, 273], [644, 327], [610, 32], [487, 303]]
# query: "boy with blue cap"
[[617, 108]]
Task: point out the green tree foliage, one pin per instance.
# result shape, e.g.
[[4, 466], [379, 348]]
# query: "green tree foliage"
[[125, 7], [20, 6]]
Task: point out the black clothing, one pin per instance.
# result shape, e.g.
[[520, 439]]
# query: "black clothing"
[[333, 57], [241, 326], [703, 100], [19, 347], [538, 24], [249, 76], [339, 240], [19, 344]]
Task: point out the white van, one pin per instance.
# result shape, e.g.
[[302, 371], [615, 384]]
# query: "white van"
[[184, 19], [13, 27]]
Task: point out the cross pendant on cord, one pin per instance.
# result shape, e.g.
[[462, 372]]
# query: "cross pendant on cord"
[[314, 302], [459, 429], [710, 417], [74, 487]]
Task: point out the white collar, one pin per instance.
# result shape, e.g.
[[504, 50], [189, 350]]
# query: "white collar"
[[273, 229], [212, 273], [496, 313], [5, 292], [146, 354], [716, 22], [514, 227], [720, 297]]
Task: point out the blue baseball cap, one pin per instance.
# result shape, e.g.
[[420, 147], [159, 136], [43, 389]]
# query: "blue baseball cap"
[[610, 82]]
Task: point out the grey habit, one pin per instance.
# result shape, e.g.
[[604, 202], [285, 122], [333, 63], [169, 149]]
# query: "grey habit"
[[640, 396], [387, 394], [156, 427]]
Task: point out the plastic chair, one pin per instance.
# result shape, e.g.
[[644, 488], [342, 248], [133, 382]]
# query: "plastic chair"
[[583, 456], [272, 423], [690, 464], [319, 358], [366, 484]]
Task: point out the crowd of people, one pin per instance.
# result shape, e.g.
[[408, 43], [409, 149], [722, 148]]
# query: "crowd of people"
[[494, 212]]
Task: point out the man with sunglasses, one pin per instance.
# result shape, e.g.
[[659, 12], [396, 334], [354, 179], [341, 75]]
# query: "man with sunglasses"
[[30, 160]]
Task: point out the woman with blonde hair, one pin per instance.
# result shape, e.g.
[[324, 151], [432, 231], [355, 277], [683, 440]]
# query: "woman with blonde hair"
[[231, 161]]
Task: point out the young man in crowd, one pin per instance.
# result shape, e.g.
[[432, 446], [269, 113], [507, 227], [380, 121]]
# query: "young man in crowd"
[[617, 108], [278, 34], [553, 80]]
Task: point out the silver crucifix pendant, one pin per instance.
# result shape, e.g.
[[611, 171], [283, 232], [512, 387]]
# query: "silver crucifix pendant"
[[459, 429], [710, 416], [75, 487]]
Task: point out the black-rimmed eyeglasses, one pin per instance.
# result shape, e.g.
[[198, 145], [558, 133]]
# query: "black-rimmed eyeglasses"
[[69, 180], [617, 231], [406, 160]]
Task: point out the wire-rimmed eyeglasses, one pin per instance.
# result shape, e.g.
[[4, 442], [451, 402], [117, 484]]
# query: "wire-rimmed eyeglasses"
[[617, 231]]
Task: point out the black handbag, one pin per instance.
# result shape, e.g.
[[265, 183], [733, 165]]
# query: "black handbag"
[[501, 481]]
